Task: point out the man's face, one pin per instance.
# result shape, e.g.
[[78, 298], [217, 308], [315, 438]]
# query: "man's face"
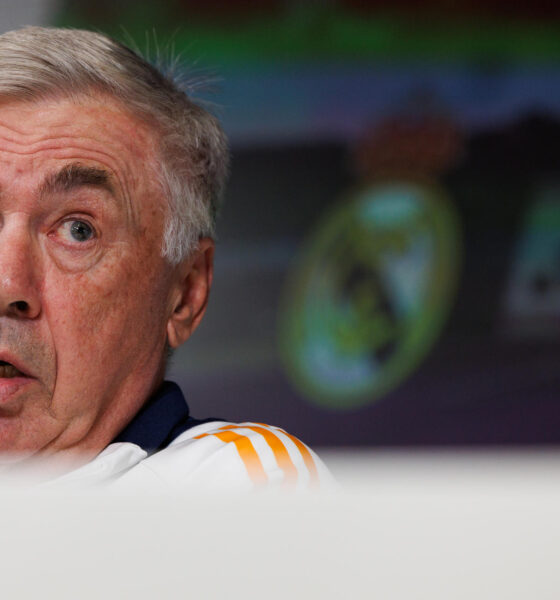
[[84, 292]]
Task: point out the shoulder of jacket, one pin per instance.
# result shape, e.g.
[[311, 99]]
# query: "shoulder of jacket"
[[238, 456]]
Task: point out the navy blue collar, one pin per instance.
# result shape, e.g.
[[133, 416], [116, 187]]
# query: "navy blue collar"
[[164, 416]]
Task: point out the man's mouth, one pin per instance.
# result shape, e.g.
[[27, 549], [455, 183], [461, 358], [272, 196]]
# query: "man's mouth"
[[8, 370]]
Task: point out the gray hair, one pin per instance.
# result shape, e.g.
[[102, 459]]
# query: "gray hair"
[[39, 63]]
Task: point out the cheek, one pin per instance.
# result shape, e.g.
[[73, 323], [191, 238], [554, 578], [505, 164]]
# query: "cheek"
[[110, 309]]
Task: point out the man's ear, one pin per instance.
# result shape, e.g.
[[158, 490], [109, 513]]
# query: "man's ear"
[[190, 293]]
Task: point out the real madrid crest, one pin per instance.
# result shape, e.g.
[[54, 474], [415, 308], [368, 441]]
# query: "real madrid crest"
[[375, 281]]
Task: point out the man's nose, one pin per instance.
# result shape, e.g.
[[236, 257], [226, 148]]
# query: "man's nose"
[[19, 296]]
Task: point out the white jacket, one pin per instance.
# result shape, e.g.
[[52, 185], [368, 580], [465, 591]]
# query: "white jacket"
[[215, 455]]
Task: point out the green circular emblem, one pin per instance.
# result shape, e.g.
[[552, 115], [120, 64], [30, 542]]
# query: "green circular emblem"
[[370, 294]]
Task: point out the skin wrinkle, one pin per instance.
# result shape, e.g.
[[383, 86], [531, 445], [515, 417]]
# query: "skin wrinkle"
[[33, 143], [122, 186], [105, 306]]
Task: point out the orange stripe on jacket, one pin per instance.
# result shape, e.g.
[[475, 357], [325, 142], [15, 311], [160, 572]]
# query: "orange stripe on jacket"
[[306, 455], [307, 459], [247, 453], [281, 454]]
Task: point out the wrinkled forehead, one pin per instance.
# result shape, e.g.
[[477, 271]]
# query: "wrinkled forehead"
[[97, 131], [99, 119]]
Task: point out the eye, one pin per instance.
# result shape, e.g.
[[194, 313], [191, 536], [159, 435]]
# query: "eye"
[[75, 230], [80, 231]]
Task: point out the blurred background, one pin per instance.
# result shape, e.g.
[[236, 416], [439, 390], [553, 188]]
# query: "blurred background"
[[388, 261]]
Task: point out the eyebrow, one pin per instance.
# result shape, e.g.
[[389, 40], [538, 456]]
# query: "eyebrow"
[[74, 176]]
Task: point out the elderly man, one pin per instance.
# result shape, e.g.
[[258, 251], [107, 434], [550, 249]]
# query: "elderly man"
[[110, 177]]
